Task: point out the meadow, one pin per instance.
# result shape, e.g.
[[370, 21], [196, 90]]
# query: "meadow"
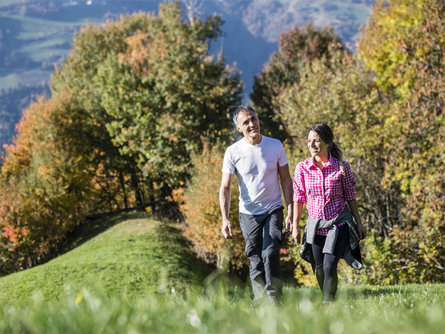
[[132, 273]]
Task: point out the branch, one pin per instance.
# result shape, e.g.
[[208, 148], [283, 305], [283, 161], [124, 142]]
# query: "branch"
[[193, 8]]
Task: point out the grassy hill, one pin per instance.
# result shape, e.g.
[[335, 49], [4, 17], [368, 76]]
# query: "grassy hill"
[[133, 274], [132, 255]]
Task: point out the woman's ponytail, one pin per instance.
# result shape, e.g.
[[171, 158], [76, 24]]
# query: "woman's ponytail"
[[335, 151]]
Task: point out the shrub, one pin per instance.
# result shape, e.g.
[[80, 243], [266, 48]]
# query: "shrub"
[[203, 213]]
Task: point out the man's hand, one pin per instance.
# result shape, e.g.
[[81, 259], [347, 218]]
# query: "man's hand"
[[224, 203], [296, 234], [227, 229], [288, 226]]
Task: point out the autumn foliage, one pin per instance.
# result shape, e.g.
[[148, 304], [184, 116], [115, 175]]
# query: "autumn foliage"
[[201, 207], [43, 187], [386, 107], [416, 136], [140, 115], [129, 107], [297, 48]]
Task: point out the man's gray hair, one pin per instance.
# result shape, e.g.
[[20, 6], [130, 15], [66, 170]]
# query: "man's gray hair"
[[242, 108]]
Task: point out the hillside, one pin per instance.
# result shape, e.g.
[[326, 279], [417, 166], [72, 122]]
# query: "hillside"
[[137, 275], [132, 254]]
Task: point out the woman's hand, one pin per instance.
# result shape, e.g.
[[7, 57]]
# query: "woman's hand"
[[296, 234], [354, 210], [361, 230]]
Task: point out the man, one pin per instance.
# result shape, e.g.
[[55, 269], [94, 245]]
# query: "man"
[[260, 164]]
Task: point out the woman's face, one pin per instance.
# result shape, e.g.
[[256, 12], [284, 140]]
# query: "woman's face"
[[316, 145]]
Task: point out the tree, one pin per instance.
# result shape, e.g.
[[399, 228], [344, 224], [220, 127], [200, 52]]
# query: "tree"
[[152, 88], [45, 191], [297, 48], [193, 9], [340, 93], [418, 133], [337, 91], [130, 105], [164, 95], [201, 207], [388, 44], [404, 46]]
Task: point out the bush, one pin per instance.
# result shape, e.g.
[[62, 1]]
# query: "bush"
[[203, 213]]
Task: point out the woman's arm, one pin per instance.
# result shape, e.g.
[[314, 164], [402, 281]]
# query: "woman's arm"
[[296, 231], [354, 210], [299, 191], [349, 195]]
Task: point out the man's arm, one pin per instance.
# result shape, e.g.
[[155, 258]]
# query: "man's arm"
[[224, 203], [286, 185]]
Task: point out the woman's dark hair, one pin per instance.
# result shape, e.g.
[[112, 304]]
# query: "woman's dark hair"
[[326, 134]]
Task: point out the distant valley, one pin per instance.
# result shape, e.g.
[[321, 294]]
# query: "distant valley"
[[36, 34]]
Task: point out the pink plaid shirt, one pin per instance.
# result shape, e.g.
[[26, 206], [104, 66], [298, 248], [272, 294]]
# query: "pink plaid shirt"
[[325, 191]]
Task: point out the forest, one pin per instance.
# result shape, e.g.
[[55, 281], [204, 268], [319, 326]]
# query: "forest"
[[139, 116]]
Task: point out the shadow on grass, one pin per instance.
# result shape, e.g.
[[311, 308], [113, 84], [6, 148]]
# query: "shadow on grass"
[[375, 292], [92, 227], [231, 284], [173, 237]]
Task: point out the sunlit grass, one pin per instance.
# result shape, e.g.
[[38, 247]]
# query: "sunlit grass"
[[133, 256], [224, 309], [136, 274]]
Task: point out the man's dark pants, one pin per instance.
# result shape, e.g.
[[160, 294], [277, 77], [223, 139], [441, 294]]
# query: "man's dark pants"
[[263, 235]]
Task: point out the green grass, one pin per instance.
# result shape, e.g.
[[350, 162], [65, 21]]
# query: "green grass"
[[134, 274], [136, 256], [45, 42], [408, 309]]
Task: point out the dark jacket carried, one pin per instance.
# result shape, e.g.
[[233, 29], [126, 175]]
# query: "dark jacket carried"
[[352, 254]]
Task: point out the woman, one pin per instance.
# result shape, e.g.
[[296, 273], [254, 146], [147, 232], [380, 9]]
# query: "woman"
[[325, 182]]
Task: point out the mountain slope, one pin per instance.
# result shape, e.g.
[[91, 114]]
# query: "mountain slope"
[[135, 256], [36, 34]]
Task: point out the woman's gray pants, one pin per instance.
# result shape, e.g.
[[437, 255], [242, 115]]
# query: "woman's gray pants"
[[263, 236]]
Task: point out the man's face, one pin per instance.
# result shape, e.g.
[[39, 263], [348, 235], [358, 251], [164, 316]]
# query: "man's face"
[[248, 124]]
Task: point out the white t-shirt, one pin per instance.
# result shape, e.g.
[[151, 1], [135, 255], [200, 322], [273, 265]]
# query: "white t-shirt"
[[256, 167]]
